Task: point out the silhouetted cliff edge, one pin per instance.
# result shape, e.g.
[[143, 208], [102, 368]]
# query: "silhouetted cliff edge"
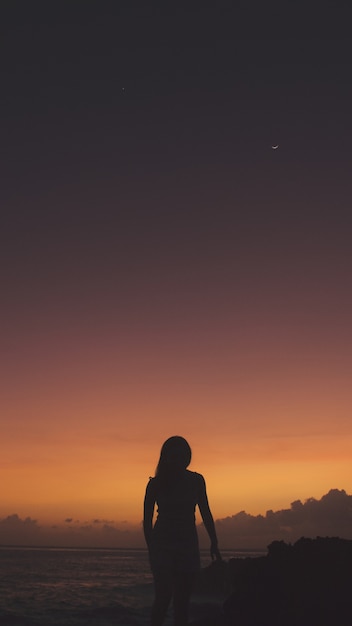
[[304, 584]]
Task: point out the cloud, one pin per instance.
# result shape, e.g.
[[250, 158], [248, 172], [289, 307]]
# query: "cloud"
[[329, 516], [14, 530], [98, 533]]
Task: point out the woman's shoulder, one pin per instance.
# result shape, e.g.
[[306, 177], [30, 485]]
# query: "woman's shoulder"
[[151, 485], [197, 484], [196, 477]]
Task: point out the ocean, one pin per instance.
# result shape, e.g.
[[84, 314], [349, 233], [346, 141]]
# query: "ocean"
[[78, 587]]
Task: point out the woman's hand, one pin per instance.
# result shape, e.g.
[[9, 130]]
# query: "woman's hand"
[[215, 552]]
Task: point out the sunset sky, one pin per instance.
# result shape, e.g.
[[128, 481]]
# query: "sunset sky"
[[164, 270]]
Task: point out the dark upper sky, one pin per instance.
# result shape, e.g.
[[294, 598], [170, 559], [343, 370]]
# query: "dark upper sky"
[[139, 142]]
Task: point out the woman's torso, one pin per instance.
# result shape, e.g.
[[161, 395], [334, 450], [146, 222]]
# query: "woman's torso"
[[176, 500]]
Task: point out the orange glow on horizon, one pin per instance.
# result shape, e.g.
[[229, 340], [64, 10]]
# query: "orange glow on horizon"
[[107, 479]]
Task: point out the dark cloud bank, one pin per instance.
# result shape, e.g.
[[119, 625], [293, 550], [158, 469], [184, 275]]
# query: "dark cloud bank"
[[331, 516]]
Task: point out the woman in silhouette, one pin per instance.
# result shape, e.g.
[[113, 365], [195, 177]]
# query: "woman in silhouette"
[[172, 541]]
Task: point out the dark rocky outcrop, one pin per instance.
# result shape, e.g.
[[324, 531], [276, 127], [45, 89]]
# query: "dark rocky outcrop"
[[304, 584]]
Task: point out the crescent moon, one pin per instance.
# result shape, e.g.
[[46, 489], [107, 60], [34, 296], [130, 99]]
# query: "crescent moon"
[[275, 147]]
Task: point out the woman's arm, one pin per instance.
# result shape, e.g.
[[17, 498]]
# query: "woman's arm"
[[149, 503], [208, 518]]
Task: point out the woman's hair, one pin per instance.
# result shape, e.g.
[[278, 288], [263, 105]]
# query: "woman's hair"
[[175, 457]]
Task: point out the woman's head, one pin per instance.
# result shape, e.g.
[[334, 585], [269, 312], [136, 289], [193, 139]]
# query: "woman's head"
[[175, 455]]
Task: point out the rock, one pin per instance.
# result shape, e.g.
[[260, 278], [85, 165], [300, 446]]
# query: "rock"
[[307, 584]]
